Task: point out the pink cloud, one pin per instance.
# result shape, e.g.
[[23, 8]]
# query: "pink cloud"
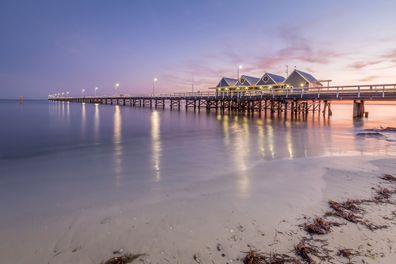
[[209, 68], [391, 55], [297, 48], [369, 78], [362, 64]]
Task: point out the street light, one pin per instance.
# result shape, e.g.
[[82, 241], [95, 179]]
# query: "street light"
[[116, 87], [154, 81], [83, 92], [96, 88], [67, 93], [239, 68]]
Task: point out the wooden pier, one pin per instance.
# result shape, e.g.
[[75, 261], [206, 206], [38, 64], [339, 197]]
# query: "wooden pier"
[[290, 100]]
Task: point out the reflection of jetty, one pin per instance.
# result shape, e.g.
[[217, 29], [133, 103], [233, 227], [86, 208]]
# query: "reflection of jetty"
[[291, 99]]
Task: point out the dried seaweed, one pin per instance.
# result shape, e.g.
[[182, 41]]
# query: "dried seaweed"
[[320, 226], [256, 257], [383, 195], [124, 259], [346, 210], [304, 251], [350, 210], [389, 178], [350, 205], [347, 253], [318, 248]]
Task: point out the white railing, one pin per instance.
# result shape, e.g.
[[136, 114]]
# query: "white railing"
[[381, 90]]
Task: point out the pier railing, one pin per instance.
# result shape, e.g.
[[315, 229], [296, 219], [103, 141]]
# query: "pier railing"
[[375, 91], [292, 99]]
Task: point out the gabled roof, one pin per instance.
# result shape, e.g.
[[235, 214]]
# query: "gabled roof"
[[308, 77], [270, 78], [247, 81], [225, 81], [276, 78]]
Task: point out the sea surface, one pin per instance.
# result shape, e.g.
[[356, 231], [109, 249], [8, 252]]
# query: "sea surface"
[[56, 158]]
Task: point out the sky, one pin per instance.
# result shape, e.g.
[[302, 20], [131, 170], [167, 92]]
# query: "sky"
[[57, 46]]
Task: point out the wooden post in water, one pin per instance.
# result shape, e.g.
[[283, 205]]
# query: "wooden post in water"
[[272, 106], [20, 99], [358, 108], [330, 112], [324, 107]]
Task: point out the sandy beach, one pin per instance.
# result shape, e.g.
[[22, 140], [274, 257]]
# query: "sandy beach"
[[214, 222]]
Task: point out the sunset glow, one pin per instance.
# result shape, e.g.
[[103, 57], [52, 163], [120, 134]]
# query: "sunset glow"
[[54, 47]]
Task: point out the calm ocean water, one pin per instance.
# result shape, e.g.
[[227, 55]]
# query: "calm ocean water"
[[56, 157]]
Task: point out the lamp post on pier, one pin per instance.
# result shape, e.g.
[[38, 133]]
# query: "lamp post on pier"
[[239, 68], [96, 88], [192, 83], [154, 81], [83, 92], [116, 87]]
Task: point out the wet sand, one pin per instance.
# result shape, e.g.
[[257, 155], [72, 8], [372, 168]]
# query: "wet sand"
[[215, 220]]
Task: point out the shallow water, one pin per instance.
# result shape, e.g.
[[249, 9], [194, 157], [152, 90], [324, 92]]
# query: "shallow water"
[[58, 158], [65, 149]]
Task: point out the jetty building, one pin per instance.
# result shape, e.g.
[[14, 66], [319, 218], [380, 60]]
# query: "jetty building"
[[297, 79]]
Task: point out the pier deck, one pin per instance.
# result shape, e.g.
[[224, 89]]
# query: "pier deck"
[[294, 100]]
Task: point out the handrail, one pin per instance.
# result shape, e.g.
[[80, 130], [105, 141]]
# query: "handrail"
[[358, 90]]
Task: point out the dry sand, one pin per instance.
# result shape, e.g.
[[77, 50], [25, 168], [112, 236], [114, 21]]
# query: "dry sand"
[[215, 221]]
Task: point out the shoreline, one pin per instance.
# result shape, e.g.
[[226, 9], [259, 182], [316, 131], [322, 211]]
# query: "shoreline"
[[251, 211]]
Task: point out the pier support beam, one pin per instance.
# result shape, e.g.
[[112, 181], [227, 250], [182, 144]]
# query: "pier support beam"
[[358, 108], [327, 106]]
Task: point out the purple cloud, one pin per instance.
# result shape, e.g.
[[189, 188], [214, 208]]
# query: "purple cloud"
[[369, 78], [362, 64]]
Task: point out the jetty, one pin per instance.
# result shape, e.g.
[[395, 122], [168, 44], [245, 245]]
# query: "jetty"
[[293, 100]]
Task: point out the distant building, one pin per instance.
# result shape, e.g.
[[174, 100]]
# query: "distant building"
[[301, 79], [226, 82], [270, 79], [247, 81], [297, 79]]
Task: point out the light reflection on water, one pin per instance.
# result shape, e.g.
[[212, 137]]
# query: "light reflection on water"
[[241, 153], [156, 144], [118, 147], [96, 123], [99, 152], [83, 120], [152, 146], [68, 112]]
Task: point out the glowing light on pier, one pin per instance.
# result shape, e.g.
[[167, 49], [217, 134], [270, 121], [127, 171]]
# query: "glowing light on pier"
[[117, 88], [155, 80], [240, 67]]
